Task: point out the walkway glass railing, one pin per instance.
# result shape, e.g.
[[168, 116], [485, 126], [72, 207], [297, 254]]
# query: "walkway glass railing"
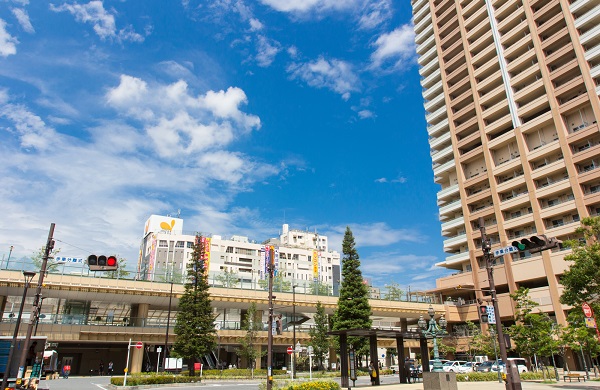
[[237, 281]]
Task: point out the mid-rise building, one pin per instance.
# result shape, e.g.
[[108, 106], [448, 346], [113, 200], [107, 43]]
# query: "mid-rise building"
[[302, 258], [511, 98]]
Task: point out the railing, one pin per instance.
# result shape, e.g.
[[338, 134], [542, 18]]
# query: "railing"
[[237, 281]]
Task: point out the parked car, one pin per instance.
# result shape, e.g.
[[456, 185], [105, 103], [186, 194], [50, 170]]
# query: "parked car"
[[520, 363], [469, 367], [453, 366], [484, 367]]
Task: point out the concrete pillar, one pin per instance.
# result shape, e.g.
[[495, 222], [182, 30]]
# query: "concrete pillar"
[[139, 314], [332, 358], [403, 325], [137, 356], [2, 303]]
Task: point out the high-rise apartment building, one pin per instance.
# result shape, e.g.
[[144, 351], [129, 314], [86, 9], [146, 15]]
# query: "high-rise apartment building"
[[511, 97]]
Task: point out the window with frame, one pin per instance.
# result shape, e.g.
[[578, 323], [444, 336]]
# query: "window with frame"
[[163, 244]]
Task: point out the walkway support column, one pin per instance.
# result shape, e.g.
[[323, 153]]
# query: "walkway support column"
[[424, 354], [374, 358], [345, 383], [401, 359]]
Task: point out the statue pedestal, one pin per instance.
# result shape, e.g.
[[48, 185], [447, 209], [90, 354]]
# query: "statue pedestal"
[[439, 381]]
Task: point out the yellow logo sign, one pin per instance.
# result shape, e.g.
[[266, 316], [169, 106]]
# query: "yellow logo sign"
[[166, 226]]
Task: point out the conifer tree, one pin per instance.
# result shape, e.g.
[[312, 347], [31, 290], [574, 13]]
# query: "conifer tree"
[[194, 326], [354, 310]]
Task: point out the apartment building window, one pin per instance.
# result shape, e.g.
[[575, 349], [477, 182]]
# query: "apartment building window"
[[557, 222], [179, 244], [163, 244], [229, 249], [190, 245], [575, 217]]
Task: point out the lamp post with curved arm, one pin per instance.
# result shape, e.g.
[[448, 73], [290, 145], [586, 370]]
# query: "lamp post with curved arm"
[[432, 329]]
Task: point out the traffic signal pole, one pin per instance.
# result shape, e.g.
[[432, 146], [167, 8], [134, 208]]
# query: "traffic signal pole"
[[513, 380], [270, 269], [36, 303]]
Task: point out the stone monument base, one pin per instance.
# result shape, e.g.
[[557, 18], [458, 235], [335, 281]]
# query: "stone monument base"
[[439, 381]]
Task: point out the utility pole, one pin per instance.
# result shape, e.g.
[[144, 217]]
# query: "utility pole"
[[513, 380], [270, 269], [36, 303]]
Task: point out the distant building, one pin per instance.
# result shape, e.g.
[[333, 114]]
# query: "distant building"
[[302, 258]]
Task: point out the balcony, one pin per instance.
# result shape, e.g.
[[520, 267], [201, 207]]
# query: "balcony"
[[451, 190], [447, 226], [456, 205], [455, 242]]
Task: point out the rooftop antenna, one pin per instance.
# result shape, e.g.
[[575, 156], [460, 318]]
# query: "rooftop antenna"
[[178, 213]]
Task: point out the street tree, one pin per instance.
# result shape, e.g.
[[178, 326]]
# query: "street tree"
[[354, 310], [578, 337], [38, 258], [228, 279], [279, 283], [394, 292], [194, 325], [319, 339], [320, 288], [533, 331], [121, 272], [582, 280], [250, 344], [479, 343]]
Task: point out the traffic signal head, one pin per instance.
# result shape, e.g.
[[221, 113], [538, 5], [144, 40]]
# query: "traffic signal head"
[[536, 244], [483, 314], [102, 263]]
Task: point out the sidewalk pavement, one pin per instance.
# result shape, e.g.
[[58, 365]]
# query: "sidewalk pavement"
[[391, 383]]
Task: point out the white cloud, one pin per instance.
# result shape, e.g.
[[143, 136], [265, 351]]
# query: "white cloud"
[[23, 19], [8, 43], [336, 75], [396, 47], [266, 49], [255, 24], [33, 131], [381, 180], [368, 13], [293, 52], [372, 235], [375, 13], [364, 114], [309, 5], [102, 20], [179, 123]]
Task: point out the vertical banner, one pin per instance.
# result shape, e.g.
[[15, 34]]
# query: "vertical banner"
[[276, 248], [262, 265], [315, 265], [206, 258], [152, 260]]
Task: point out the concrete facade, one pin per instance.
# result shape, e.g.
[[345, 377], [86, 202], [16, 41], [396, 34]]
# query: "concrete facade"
[[511, 97]]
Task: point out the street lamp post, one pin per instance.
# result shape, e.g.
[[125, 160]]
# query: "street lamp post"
[[270, 269], [167, 332], [28, 275], [432, 329], [39, 315], [9, 253], [294, 327]]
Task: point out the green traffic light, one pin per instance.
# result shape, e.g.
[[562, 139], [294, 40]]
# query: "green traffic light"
[[521, 247]]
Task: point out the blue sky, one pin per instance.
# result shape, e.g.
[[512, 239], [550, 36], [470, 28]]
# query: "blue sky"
[[243, 114]]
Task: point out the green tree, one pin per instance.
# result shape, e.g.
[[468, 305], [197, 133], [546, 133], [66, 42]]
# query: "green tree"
[[478, 342], [394, 292], [194, 325], [533, 332], [279, 283], [578, 337], [228, 279], [318, 335], [320, 288], [582, 280], [121, 272], [250, 342], [354, 311], [38, 258]]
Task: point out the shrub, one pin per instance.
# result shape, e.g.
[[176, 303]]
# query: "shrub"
[[314, 385]]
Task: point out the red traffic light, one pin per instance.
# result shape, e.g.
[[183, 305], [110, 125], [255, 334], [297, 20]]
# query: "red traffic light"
[[103, 263], [111, 261], [483, 313]]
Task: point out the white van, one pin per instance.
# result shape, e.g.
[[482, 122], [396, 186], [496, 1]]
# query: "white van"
[[520, 363]]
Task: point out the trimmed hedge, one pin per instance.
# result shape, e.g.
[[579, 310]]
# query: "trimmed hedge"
[[313, 385], [493, 376], [162, 378]]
